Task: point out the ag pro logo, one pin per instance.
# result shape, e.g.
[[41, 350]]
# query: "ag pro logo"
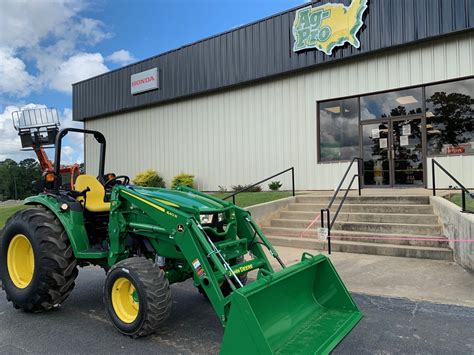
[[328, 26]]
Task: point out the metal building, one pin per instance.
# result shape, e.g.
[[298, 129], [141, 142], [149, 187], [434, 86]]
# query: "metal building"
[[395, 88]]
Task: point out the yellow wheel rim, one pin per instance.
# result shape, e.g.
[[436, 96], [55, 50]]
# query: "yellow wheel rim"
[[125, 300], [20, 261]]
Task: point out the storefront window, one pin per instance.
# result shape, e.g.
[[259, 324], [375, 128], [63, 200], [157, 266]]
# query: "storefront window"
[[391, 104], [450, 117], [339, 130]]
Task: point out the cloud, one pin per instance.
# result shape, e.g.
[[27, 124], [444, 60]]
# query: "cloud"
[[92, 30], [44, 45], [121, 57], [78, 67], [25, 24], [10, 146], [14, 79], [75, 141], [9, 141]]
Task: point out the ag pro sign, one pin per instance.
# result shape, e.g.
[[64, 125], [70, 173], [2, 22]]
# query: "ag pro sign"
[[328, 26]]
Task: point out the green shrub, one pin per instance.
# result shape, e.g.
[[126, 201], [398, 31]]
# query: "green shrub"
[[241, 187], [149, 178], [274, 185], [183, 179]]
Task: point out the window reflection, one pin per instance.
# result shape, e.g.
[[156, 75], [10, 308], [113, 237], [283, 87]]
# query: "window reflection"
[[339, 130], [391, 104], [449, 112], [450, 117], [375, 153]]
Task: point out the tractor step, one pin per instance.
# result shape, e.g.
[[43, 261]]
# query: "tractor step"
[[94, 252]]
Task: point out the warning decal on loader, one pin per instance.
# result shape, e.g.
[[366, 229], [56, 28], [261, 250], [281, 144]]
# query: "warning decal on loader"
[[198, 267]]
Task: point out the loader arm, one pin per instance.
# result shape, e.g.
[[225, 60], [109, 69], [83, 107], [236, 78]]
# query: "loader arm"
[[175, 235], [304, 308]]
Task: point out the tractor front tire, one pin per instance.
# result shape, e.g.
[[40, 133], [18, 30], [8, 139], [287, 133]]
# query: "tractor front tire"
[[37, 264], [137, 296]]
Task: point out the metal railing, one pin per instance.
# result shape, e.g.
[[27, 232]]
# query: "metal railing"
[[35, 118], [330, 223], [292, 169], [465, 191]]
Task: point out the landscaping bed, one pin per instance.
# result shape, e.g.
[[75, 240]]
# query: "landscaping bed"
[[457, 199]]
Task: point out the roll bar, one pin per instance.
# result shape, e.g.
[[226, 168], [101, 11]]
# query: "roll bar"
[[99, 137]]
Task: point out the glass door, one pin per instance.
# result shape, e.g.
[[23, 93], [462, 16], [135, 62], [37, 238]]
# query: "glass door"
[[376, 154], [407, 152]]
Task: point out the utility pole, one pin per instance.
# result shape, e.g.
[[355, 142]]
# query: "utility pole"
[[14, 184]]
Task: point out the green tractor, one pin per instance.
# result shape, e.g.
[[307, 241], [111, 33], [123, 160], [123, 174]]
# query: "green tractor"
[[149, 238]]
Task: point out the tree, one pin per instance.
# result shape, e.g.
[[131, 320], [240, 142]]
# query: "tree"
[[453, 114], [16, 178]]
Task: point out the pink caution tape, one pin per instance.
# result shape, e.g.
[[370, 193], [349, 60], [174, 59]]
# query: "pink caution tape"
[[310, 225], [405, 238]]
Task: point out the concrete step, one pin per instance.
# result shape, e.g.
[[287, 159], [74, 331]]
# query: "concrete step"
[[398, 239], [404, 200], [393, 228], [370, 208], [367, 217], [362, 237], [365, 248]]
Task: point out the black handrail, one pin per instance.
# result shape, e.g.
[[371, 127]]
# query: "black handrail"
[[465, 191], [330, 222], [258, 183]]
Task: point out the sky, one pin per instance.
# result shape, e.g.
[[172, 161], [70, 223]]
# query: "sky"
[[47, 45]]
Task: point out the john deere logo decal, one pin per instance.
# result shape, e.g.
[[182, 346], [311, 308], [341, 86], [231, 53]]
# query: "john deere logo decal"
[[328, 26]]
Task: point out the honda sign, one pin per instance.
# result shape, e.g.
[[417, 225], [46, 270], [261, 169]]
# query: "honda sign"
[[144, 81]]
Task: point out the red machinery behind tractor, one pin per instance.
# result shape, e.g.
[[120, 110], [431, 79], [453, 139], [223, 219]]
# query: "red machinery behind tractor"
[[37, 129]]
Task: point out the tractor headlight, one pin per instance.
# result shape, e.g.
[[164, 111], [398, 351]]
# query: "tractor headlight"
[[209, 218], [205, 218]]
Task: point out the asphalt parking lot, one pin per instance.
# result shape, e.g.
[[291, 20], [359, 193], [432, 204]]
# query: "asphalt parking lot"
[[80, 326]]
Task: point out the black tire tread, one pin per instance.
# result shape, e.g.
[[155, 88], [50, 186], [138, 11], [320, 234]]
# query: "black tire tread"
[[158, 293], [59, 266]]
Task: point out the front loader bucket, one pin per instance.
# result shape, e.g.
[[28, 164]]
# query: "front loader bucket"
[[303, 309]]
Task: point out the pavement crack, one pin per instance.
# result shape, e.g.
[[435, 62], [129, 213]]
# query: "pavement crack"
[[171, 343], [413, 312], [96, 317], [17, 347]]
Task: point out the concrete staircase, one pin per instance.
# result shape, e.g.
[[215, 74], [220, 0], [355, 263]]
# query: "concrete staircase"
[[379, 225]]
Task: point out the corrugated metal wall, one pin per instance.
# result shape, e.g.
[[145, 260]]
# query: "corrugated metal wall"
[[241, 135], [264, 49]]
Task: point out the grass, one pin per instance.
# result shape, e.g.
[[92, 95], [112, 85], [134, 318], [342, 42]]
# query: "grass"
[[7, 211], [246, 199], [457, 199]]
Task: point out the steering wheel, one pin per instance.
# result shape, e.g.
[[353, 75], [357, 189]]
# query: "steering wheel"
[[117, 180]]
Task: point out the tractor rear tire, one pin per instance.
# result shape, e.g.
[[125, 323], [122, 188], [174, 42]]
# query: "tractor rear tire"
[[37, 263], [137, 296]]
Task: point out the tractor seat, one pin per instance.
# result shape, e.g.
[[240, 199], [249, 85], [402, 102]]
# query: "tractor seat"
[[94, 201]]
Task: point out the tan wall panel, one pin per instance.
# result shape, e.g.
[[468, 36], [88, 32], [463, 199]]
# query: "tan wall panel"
[[241, 135]]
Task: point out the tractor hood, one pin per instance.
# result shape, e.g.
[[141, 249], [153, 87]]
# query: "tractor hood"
[[182, 199]]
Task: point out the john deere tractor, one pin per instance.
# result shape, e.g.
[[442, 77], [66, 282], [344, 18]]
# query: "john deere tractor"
[[149, 238]]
